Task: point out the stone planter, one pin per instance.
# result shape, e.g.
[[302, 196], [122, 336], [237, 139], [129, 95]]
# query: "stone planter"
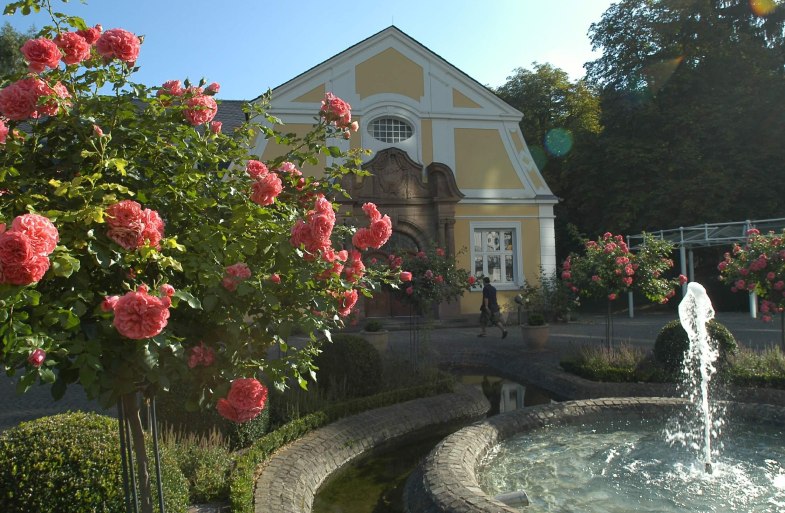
[[535, 337], [378, 339]]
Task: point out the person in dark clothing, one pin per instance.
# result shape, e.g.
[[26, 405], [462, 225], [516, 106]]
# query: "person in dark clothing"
[[490, 313]]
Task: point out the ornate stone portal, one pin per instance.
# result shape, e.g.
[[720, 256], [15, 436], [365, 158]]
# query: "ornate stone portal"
[[421, 205]]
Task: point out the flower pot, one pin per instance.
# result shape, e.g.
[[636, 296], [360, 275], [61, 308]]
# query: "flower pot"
[[378, 339], [535, 337]]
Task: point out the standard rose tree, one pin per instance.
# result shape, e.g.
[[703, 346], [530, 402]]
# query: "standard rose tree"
[[142, 245]]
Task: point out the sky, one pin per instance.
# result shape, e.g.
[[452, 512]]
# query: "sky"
[[248, 46]]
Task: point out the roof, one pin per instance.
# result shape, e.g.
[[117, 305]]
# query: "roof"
[[230, 113], [710, 234]]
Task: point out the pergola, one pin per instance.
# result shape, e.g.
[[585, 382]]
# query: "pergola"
[[687, 238]]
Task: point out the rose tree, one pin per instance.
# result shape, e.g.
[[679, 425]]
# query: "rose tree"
[[140, 245], [759, 267], [429, 278], [608, 268]]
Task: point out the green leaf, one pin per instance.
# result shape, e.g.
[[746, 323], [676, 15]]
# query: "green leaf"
[[189, 298]]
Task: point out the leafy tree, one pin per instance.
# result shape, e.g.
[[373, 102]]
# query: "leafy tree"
[[693, 104], [11, 60]]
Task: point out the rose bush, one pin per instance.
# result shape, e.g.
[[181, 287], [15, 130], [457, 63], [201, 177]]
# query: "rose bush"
[[608, 268], [428, 278], [759, 267], [142, 246]]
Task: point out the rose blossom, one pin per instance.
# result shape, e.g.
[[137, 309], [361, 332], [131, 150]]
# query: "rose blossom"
[[246, 400], [275, 278], [39, 229], [131, 227], [406, 276], [213, 88], [346, 302], [201, 355], [3, 131], [172, 88], [215, 127], [354, 269], [40, 54], [109, 302], [75, 48], [266, 189], [91, 35], [200, 109], [235, 274], [167, 290], [472, 280], [410, 290], [138, 315], [19, 100], [118, 44], [256, 169], [37, 357], [335, 110]]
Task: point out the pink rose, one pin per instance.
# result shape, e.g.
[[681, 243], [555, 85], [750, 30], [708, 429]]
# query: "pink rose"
[[52, 107], [290, 169], [429, 274], [91, 35], [171, 88], [24, 272], [213, 88], [131, 227], [201, 355], [200, 109], [19, 100], [167, 290], [406, 276], [152, 228], [439, 279], [683, 279], [246, 400], [334, 110], [346, 302], [3, 131], [235, 274], [409, 290], [275, 278], [39, 229], [97, 131], [75, 48], [372, 211], [109, 302], [215, 127], [439, 252], [266, 189], [354, 269], [37, 357], [40, 54], [472, 280], [256, 169], [138, 315], [118, 44], [612, 296], [15, 247]]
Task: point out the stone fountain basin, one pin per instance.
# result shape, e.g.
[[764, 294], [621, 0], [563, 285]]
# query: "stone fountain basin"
[[447, 482]]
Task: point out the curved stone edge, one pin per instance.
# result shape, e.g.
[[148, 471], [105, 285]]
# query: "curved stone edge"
[[447, 483], [291, 477]]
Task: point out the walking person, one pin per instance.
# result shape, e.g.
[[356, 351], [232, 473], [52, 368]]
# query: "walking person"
[[490, 313]]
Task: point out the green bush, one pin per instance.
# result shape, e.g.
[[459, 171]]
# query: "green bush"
[[71, 462], [171, 412], [615, 365], [373, 325], [349, 367], [205, 461], [672, 342], [758, 368]]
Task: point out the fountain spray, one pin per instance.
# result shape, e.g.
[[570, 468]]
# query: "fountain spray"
[[695, 310]]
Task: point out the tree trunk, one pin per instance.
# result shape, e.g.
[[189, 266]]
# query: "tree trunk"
[[133, 417], [609, 327]]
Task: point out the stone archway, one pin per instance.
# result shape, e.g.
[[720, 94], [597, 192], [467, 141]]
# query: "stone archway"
[[420, 203]]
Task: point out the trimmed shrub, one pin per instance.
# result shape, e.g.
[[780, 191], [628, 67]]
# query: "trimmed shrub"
[[171, 412], [672, 342], [71, 462], [205, 461], [349, 367]]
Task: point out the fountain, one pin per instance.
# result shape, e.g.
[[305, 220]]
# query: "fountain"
[[619, 454]]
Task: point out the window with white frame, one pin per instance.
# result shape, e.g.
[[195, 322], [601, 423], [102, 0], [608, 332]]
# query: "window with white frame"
[[495, 253], [390, 130]]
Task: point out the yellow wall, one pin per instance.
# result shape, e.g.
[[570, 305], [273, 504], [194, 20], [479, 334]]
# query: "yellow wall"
[[482, 161], [273, 150], [390, 72], [461, 100], [314, 95], [426, 141]]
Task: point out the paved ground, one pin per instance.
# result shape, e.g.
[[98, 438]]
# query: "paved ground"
[[640, 331]]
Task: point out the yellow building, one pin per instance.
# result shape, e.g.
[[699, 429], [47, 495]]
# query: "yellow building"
[[449, 162]]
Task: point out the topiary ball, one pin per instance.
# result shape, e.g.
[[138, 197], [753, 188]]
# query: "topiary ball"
[[349, 364], [672, 342], [71, 462]]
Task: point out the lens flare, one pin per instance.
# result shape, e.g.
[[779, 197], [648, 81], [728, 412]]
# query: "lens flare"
[[762, 7], [558, 142], [658, 73]]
